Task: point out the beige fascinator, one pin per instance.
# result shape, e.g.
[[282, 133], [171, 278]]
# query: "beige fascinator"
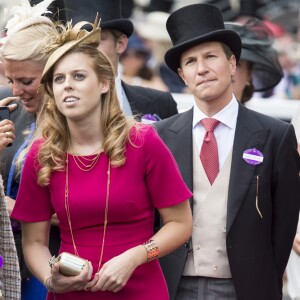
[[25, 15], [68, 38]]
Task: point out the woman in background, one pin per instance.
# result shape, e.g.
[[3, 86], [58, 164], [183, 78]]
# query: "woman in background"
[[23, 61], [258, 69], [135, 66]]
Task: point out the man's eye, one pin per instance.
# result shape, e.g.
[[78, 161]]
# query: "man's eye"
[[190, 61]]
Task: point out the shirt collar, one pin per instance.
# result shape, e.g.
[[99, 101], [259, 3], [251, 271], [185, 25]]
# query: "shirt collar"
[[226, 116]]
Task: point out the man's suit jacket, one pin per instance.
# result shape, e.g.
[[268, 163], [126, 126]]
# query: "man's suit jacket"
[[258, 248], [150, 101]]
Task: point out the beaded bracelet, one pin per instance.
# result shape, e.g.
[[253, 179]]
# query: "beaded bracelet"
[[152, 250], [47, 284]]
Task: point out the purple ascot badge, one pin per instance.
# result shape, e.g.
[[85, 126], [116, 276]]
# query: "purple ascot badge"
[[253, 157], [1, 261], [149, 119]]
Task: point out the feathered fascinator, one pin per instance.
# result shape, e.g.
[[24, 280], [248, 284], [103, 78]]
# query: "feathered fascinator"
[[257, 48], [25, 15], [69, 37]]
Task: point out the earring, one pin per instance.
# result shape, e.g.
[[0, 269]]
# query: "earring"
[[248, 83]]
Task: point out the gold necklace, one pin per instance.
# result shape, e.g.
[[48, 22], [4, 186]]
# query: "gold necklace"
[[82, 165], [105, 211]]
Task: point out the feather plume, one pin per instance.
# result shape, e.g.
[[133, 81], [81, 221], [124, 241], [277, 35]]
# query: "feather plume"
[[69, 33], [24, 15]]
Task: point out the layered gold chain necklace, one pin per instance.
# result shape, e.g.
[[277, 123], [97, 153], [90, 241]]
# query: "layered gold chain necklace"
[[86, 164], [87, 168]]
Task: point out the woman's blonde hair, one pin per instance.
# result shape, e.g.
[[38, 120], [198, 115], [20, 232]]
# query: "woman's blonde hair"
[[54, 129], [28, 44]]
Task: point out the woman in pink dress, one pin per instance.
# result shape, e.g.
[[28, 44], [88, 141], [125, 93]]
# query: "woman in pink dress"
[[103, 175]]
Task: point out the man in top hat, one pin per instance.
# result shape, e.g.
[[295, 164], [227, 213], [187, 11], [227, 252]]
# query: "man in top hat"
[[115, 32], [242, 166]]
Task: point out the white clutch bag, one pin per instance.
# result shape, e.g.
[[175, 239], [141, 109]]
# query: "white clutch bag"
[[69, 264]]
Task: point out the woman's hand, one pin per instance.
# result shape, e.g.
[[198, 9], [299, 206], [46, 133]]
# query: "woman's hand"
[[296, 244], [62, 284], [7, 101], [54, 220], [7, 133], [7, 127], [10, 204], [114, 274]]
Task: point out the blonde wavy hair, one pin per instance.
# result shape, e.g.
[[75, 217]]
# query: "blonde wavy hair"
[[54, 130], [28, 44]]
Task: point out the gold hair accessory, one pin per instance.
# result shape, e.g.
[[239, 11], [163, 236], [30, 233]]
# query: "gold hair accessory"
[[25, 15], [68, 38]]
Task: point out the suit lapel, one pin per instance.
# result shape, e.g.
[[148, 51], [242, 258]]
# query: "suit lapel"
[[135, 99], [179, 140], [249, 134]]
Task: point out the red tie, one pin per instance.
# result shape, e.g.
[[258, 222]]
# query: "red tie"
[[209, 151]]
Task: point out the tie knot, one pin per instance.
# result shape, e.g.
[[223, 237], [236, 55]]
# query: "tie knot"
[[209, 124]]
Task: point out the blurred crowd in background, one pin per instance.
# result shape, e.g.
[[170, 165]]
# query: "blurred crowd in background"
[[143, 62]]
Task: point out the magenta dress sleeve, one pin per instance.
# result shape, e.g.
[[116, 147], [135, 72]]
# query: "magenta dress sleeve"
[[163, 177], [33, 203]]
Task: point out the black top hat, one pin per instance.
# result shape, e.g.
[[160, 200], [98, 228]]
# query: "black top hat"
[[110, 12], [159, 5], [195, 24], [257, 49]]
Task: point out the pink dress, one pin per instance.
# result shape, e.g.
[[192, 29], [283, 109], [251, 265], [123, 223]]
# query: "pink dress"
[[149, 179]]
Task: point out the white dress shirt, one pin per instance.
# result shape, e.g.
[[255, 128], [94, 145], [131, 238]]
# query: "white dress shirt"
[[224, 132], [124, 103]]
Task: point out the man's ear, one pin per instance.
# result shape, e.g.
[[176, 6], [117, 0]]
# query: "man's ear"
[[122, 43], [232, 62], [180, 73]]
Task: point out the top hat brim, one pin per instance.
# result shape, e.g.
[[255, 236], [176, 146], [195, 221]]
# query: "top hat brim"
[[228, 37], [122, 25], [266, 69]]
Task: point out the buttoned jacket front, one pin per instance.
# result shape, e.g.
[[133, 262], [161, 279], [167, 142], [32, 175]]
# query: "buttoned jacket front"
[[258, 246]]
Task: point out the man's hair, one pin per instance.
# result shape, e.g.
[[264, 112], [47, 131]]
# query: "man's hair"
[[228, 52], [115, 33]]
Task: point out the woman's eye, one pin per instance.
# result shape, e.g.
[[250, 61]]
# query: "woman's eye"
[[58, 79], [27, 82], [79, 76]]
